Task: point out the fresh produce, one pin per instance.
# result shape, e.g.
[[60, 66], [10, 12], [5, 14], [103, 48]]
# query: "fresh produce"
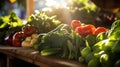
[[75, 23], [95, 46], [34, 35], [8, 26], [85, 51], [106, 50], [65, 42], [42, 22], [114, 31], [18, 37], [99, 30], [30, 40], [85, 30], [94, 63], [26, 44], [28, 30], [47, 52], [60, 42], [91, 40]]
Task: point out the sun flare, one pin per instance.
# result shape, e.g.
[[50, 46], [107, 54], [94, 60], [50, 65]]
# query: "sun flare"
[[57, 3]]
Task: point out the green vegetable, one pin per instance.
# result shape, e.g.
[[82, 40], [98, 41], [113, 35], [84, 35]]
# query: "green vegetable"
[[94, 63], [114, 32], [101, 36], [91, 39], [105, 45], [85, 51], [9, 25], [89, 57], [49, 51], [43, 22], [71, 48], [61, 37], [54, 39], [81, 59]]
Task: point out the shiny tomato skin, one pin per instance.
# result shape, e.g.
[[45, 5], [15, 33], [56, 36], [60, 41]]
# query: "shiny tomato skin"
[[18, 37], [85, 30], [75, 23], [100, 29], [29, 30]]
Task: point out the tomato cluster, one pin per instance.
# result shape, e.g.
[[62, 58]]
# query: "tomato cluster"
[[86, 29], [18, 37]]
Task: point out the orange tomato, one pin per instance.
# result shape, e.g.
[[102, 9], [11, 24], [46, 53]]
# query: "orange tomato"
[[100, 29], [75, 23], [85, 30]]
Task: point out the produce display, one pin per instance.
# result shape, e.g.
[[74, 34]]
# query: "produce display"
[[85, 43], [13, 31], [8, 26]]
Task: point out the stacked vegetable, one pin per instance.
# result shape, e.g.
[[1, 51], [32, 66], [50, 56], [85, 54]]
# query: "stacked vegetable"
[[8, 26], [59, 42], [96, 46], [67, 41], [106, 52], [42, 22], [19, 34], [39, 23]]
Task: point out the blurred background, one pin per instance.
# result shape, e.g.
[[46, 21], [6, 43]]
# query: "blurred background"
[[18, 6], [99, 13]]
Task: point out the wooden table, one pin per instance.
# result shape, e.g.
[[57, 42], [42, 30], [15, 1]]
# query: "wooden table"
[[32, 56]]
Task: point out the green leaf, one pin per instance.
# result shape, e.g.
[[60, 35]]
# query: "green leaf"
[[101, 36], [91, 39], [114, 32]]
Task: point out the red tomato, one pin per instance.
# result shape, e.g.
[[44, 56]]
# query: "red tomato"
[[75, 23], [85, 30], [29, 30], [100, 29], [18, 37]]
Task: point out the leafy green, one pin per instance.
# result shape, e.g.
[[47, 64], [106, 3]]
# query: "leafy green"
[[114, 32], [101, 36], [43, 22], [61, 38], [9, 25], [10, 21], [91, 39]]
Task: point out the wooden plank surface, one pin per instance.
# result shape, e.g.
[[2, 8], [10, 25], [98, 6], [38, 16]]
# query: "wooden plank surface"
[[32, 56]]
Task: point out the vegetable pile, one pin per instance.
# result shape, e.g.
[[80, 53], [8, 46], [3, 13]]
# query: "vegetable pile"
[[8, 26], [106, 51], [13, 32], [42, 22], [94, 46], [67, 41]]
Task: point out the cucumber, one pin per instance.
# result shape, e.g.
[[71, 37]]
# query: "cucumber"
[[50, 51]]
